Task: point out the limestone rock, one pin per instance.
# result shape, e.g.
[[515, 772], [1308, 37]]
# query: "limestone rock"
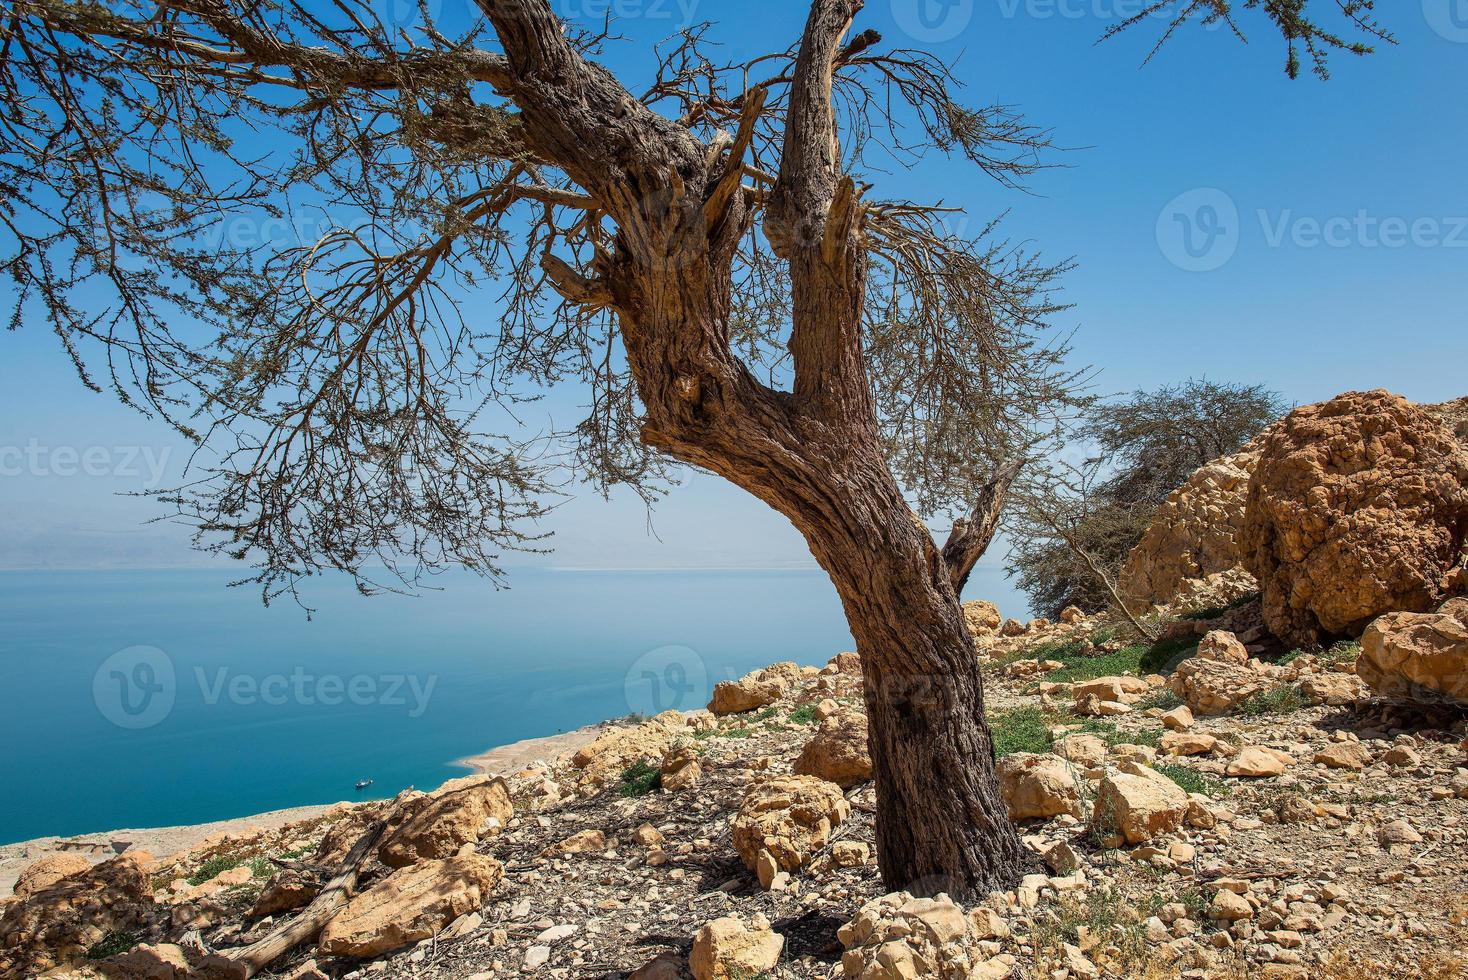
[[1333, 688], [1194, 532], [287, 890], [1344, 755], [755, 690], [58, 924], [1358, 507], [727, 949], [48, 871], [455, 815], [410, 904], [604, 760], [1083, 749], [1038, 786], [1222, 645], [1214, 687], [1255, 763], [1139, 804], [1188, 743], [981, 616], [838, 751], [680, 768], [1179, 719], [1419, 656], [788, 819], [898, 936]]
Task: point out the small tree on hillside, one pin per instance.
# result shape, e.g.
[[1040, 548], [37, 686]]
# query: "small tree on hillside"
[[1075, 524], [701, 251]]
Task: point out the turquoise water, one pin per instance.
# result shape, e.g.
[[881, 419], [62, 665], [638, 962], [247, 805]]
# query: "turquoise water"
[[264, 709], [138, 699]]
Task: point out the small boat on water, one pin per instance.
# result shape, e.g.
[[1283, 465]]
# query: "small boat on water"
[[363, 783]]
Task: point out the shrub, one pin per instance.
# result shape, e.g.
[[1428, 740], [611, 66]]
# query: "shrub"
[[1279, 700], [114, 943], [640, 778], [803, 715], [213, 867], [1020, 730], [1191, 780]]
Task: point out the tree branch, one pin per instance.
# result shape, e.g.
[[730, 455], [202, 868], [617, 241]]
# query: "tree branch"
[[970, 537]]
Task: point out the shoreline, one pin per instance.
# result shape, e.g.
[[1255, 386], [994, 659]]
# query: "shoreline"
[[500, 760]]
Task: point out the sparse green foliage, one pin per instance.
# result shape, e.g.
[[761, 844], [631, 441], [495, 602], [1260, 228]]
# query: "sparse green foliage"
[[1279, 700], [1191, 780], [803, 715], [1213, 612], [213, 867], [1021, 730], [112, 944], [640, 778]]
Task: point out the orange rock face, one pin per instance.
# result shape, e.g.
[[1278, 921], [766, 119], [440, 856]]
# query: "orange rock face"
[[1358, 507]]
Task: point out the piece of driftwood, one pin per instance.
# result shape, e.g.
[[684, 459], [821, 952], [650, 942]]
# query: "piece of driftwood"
[[244, 963]]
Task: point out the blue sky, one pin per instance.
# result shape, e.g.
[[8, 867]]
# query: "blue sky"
[[1226, 222]]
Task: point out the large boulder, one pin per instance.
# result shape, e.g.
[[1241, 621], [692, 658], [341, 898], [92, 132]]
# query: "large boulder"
[[981, 616], [48, 871], [1216, 687], [459, 813], [784, 821], [603, 760], [1358, 507], [1194, 533], [1138, 804], [838, 751], [1038, 786], [727, 949], [410, 904], [758, 689], [1418, 656], [58, 924]]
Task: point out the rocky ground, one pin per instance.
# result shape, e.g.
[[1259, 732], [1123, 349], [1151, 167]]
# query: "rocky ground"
[[1192, 813]]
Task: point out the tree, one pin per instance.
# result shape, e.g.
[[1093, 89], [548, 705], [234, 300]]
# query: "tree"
[[1078, 523], [703, 256]]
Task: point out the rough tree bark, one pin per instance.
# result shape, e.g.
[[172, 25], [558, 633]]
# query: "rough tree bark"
[[814, 453]]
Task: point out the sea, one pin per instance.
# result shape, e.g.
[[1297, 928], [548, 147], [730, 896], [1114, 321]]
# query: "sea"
[[160, 698]]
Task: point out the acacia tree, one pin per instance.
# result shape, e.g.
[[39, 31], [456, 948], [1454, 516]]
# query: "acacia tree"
[[703, 255]]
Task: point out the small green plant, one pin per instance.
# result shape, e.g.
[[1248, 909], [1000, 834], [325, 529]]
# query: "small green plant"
[[803, 715], [1020, 730], [765, 715], [1191, 780], [213, 867], [1279, 700], [1161, 657], [112, 944], [261, 867], [1162, 699], [640, 778], [1213, 612]]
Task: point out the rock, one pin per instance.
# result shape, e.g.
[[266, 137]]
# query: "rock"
[[604, 760], [838, 751], [680, 768], [162, 962], [758, 689], [788, 818], [1334, 688], [410, 904], [46, 872], [1085, 750], [1194, 533], [727, 949], [981, 617], [1224, 646], [1110, 688], [896, 936], [287, 890], [1214, 687], [1357, 507], [1038, 786], [1255, 763], [664, 966], [1013, 627], [1344, 755], [1229, 907], [1400, 832], [56, 925], [1072, 615], [850, 853], [1139, 804], [455, 815], [1419, 656], [1188, 743], [586, 841], [1178, 719]]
